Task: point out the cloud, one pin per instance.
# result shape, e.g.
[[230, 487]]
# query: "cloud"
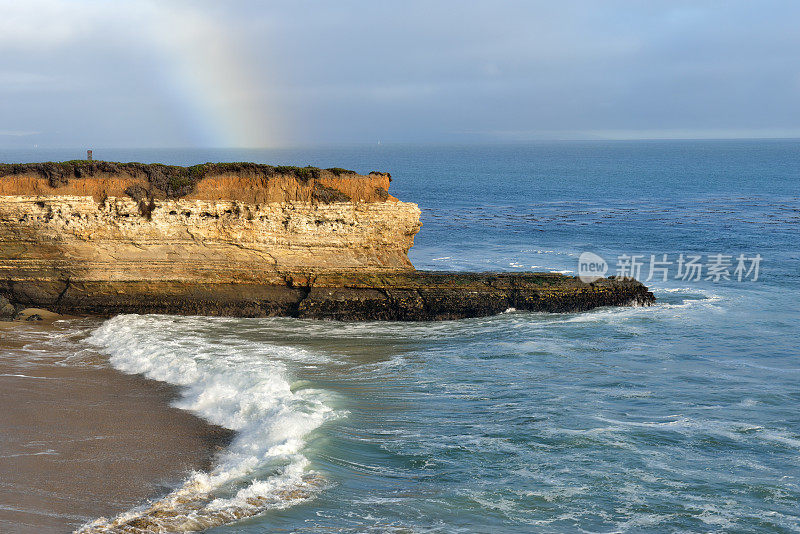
[[17, 133], [202, 73], [33, 26], [25, 81], [40, 24]]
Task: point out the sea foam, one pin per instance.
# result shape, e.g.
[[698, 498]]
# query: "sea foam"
[[237, 384]]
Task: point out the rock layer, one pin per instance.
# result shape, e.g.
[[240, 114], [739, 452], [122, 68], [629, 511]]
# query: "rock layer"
[[402, 296], [75, 237], [243, 240]]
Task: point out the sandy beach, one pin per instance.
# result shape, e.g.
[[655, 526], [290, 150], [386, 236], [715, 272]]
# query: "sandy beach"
[[79, 440]]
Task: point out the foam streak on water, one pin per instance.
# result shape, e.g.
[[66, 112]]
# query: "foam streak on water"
[[242, 386]]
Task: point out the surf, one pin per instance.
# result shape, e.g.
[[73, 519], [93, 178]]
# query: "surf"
[[242, 385]]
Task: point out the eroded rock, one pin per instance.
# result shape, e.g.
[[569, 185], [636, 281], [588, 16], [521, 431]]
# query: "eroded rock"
[[245, 240], [7, 310]]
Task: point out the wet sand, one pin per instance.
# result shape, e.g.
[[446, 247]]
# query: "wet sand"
[[82, 441]]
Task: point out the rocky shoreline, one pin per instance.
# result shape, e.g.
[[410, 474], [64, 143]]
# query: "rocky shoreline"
[[407, 296], [246, 240]]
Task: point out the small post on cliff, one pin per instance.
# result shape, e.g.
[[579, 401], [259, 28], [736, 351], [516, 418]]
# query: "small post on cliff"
[[89, 155]]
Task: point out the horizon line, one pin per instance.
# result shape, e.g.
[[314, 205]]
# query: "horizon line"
[[401, 143]]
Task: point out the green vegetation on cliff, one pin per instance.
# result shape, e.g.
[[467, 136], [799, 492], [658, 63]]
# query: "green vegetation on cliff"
[[175, 181]]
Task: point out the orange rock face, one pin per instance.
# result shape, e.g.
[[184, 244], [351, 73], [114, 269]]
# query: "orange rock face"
[[252, 187], [242, 239], [229, 228]]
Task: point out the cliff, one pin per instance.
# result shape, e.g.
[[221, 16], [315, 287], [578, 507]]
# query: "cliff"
[[241, 239]]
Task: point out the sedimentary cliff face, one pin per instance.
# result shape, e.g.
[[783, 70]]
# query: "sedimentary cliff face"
[[79, 238], [242, 239], [227, 228]]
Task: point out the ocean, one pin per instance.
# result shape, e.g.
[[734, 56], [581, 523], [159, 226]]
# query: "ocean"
[[682, 416]]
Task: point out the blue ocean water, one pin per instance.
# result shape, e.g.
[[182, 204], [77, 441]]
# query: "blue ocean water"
[[678, 417]]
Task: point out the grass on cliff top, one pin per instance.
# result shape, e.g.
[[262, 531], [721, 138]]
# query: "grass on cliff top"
[[175, 181]]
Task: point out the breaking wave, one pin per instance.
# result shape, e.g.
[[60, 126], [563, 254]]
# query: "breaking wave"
[[238, 384]]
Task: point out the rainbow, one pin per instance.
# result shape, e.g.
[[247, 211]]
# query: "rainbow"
[[210, 81]]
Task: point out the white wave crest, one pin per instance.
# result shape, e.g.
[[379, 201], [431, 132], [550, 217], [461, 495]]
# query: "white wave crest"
[[242, 386]]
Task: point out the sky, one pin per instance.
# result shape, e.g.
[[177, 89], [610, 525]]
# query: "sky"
[[169, 73]]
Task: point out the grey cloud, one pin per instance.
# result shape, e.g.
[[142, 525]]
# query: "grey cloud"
[[433, 71]]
